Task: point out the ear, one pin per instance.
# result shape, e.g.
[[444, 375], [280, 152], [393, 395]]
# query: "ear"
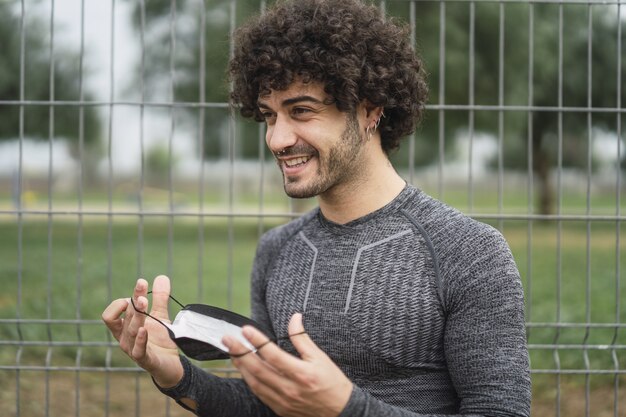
[[373, 114]]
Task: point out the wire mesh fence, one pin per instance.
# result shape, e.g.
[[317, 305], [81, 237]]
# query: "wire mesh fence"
[[121, 159]]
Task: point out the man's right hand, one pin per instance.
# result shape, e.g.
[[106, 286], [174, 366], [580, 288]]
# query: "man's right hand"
[[144, 340]]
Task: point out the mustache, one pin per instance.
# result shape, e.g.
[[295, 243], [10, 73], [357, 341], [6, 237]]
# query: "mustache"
[[300, 149]]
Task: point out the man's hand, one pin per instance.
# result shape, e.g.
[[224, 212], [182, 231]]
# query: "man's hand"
[[143, 339], [308, 386]]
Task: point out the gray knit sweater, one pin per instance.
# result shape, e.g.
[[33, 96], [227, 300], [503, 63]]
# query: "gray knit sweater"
[[419, 305]]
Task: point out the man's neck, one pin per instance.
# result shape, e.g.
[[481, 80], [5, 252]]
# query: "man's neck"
[[348, 202]]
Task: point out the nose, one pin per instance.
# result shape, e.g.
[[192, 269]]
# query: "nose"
[[280, 135]]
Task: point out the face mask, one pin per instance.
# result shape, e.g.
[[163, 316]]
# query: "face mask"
[[198, 330]]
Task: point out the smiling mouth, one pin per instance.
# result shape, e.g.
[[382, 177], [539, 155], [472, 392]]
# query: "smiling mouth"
[[294, 162]]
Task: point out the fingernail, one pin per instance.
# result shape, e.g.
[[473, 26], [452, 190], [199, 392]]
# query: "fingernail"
[[247, 332], [226, 341]]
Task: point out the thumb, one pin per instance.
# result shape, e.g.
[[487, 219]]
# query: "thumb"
[[160, 297], [301, 340]]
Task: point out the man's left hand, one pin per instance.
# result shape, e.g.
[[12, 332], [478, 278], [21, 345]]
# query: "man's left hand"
[[311, 385]]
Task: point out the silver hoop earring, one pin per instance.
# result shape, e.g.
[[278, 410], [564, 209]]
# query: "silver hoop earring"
[[377, 123]]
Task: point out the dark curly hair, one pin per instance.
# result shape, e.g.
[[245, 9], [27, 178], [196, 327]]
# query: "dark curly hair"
[[346, 45]]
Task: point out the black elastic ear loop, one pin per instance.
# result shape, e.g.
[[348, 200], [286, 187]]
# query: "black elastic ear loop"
[[150, 315], [239, 355]]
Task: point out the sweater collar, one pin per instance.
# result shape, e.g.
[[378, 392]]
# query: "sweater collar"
[[394, 205]]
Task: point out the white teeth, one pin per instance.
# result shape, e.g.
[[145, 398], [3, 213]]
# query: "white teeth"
[[296, 161]]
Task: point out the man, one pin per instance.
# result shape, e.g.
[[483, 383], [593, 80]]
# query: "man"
[[385, 301]]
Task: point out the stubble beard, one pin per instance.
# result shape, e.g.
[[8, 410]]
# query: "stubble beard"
[[339, 167]]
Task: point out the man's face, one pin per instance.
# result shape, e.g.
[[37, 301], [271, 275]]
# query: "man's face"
[[317, 147]]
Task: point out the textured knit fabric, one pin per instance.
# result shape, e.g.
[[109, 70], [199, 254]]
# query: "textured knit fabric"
[[419, 305]]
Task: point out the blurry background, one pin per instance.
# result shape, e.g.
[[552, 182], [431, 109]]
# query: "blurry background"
[[119, 158]]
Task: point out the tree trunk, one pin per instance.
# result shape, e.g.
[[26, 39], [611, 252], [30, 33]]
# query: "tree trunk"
[[541, 165]]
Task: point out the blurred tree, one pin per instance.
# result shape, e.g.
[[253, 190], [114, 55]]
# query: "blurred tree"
[[159, 161], [173, 45], [588, 65], [492, 72], [66, 83], [501, 71]]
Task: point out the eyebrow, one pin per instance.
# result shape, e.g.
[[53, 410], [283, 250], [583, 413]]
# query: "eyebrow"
[[293, 100]]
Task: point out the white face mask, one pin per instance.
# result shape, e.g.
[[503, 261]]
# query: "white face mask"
[[198, 330], [191, 323]]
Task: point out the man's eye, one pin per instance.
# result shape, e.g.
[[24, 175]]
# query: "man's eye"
[[300, 110], [267, 115]]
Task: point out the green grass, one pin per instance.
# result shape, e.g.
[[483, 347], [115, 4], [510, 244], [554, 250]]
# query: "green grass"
[[55, 284], [572, 283]]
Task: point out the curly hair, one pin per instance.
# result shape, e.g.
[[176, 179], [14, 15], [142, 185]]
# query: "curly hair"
[[346, 45]]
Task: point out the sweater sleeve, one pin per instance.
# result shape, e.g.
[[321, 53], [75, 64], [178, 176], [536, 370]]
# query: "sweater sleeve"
[[215, 396], [361, 404], [485, 339]]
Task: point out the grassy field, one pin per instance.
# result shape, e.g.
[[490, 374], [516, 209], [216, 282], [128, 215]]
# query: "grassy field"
[[68, 270]]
